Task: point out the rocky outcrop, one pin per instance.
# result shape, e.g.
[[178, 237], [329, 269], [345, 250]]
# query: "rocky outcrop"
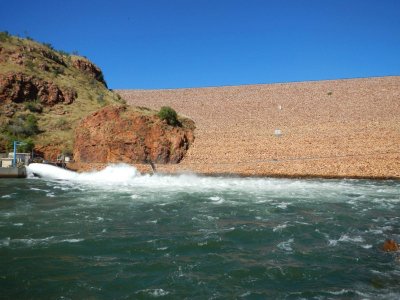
[[88, 68], [9, 110], [49, 54], [19, 87], [22, 55], [48, 152], [122, 134], [390, 245]]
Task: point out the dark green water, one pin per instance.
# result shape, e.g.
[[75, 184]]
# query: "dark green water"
[[119, 235]]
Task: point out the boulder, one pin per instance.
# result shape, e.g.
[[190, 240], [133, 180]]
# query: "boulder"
[[121, 134], [390, 245]]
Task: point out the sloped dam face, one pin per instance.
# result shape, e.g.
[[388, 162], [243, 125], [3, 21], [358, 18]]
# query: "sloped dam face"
[[117, 234]]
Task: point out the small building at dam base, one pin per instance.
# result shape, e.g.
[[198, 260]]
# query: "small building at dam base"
[[13, 172]]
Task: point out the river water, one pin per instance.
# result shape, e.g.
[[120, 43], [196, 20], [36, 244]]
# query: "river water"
[[116, 234]]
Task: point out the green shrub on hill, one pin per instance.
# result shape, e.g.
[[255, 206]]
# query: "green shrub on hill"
[[62, 124], [22, 126], [7, 143], [169, 114], [26, 146], [34, 106], [4, 36]]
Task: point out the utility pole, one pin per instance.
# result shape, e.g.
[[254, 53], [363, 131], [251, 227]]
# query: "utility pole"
[[16, 143]]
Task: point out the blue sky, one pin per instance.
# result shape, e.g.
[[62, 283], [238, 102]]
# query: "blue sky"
[[154, 44]]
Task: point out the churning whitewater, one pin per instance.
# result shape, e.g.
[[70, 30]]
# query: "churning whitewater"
[[117, 234]]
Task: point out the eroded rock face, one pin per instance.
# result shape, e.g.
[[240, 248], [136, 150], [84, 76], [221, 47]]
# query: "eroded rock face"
[[22, 55], [19, 87], [89, 68], [121, 134], [48, 152]]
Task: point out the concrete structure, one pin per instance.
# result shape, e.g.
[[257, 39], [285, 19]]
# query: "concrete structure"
[[20, 157], [13, 172], [6, 160], [6, 165]]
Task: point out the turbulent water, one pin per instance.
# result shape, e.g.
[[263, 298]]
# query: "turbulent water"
[[116, 234]]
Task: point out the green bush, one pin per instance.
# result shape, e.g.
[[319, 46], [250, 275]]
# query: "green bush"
[[169, 114], [7, 144], [57, 71], [34, 106], [100, 99], [27, 145], [62, 124], [4, 36], [48, 45], [31, 125], [63, 53], [30, 65], [22, 127], [119, 99]]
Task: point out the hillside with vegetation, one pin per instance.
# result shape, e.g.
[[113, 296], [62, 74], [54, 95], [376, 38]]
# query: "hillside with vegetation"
[[44, 93]]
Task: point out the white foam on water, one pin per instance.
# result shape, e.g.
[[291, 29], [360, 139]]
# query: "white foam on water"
[[112, 173], [36, 189], [5, 242], [245, 294], [126, 175], [279, 227], [126, 178], [363, 295], [344, 238], [72, 240], [32, 241], [375, 231], [340, 292], [155, 293], [282, 205], [123, 174], [332, 242], [217, 200], [347, 238], [387, 228], [286, 246]]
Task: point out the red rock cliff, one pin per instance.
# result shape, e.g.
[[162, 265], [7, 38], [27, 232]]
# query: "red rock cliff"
[[19, 87], [88, 68], [122, 134]]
